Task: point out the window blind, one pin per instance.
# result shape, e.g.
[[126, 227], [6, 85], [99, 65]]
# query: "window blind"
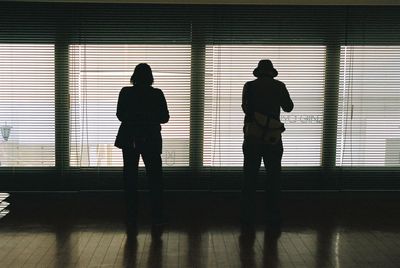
[[228, 67], [27, 105], [62, 66], [98, 72], [369, 111]]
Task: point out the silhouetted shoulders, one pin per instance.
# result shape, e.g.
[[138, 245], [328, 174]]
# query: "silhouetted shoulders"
[[246, 88], [124, 89], [158, 91], [249, 83], [279, 83], [160, 94], [123, 92]]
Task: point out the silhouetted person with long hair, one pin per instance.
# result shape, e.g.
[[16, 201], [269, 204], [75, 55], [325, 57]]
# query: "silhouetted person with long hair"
[[141, 109], [264, 97]]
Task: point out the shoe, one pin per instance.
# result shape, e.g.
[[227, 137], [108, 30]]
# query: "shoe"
[[272, 231], [157, 232], [131, 220], [247, 231], [160, 221], [247, 219], [273, 219], [273, 225], [131, 230], [246, 224]]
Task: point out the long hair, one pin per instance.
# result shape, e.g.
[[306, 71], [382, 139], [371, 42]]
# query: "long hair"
[[142, 75]]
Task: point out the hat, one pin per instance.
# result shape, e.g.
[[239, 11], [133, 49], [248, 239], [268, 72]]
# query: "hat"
[[265, 66]]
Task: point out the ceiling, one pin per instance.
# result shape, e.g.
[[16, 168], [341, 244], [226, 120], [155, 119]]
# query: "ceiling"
[[239, 2]]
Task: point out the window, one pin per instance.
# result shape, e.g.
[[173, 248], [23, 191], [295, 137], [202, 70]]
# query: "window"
[[228, 67], [369, 106], [98, 72], [27, 117]]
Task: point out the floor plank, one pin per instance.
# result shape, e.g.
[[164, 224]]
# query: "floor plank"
[[87, 230]]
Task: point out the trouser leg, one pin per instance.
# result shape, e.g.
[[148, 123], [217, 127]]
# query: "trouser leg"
[[251, 166], [272, 162], [153, 165], [130, 174]]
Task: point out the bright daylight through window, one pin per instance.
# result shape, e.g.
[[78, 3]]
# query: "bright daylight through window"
[[98, 72], [27, 105], [369, 112], [228, 67]]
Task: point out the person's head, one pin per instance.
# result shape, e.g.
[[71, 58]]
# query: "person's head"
[[142, 75], [265, 68]]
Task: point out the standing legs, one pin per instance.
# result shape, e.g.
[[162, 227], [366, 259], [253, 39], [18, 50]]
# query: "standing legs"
[[272, 156], [272, 161], [153, 165], [252, 162], [131, 161]]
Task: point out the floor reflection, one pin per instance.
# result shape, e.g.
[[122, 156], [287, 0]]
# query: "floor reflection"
[[155, 259], [93, 247], [130, 251], [53, 234], [246, 247], [196, 255], [64, 244], [270, 249]]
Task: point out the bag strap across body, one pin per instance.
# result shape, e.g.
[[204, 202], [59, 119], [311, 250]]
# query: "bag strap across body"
[[263, 128]]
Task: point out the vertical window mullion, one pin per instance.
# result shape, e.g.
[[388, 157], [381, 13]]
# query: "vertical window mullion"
[[61, 101], [197, 97], [331, 96]]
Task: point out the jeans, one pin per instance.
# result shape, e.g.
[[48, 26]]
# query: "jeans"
[[272, 157]]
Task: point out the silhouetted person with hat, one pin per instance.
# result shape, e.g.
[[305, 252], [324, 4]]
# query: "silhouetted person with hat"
[[141, 109], [263, 98]]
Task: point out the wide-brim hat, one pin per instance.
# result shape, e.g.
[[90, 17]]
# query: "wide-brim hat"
[[265, 67]]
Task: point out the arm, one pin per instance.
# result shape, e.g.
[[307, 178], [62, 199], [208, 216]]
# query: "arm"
[[164, 113], [246, 107], [120, 108], [286, 102], [247, 104]]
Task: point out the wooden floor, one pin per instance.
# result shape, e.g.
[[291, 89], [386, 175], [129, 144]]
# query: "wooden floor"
[[87, 230]]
